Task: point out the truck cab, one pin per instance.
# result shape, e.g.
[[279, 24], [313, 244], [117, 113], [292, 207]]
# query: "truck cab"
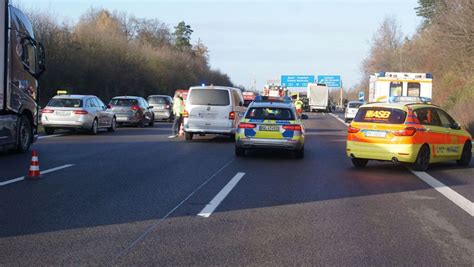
[[21, 65]]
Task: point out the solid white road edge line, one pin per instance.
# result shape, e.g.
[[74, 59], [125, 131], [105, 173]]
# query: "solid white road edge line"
[[49, 136], [43, 172], [339, 119], [211, 207], [449, 193]]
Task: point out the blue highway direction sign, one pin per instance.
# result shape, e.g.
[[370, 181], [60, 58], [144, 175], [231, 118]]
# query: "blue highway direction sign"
[[296, 80], [332, 81]]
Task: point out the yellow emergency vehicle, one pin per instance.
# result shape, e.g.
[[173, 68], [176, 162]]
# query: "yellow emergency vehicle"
[[407, 131], [271, 124]]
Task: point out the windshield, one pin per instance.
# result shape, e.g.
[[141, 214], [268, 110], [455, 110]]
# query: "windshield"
[[269, 113], [209, 97], [355, 105], [123, 102], [65, 103], [158, 100], [381, 115]]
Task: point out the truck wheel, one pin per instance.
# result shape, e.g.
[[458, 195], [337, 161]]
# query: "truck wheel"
[[48, 130], [24, 134], [359, 163], [188, 136], [466, 155], [423, 159]]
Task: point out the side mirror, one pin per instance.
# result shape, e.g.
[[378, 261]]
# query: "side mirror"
[[304, 117], [456, 126], [150, 107]]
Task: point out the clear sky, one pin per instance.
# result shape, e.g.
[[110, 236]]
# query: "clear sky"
[[261, 39]]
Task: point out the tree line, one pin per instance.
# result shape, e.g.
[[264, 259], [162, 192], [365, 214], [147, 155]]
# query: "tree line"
[[108, 54], [443, 45]]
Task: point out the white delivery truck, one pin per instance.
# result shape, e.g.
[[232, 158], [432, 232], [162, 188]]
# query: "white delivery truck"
[[21, 64], [384, 85], [318, 97]]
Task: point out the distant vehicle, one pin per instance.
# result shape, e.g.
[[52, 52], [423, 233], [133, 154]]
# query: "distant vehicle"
[[385, 85], [22, 63], [162, 107], [132, 110], [271, 90], [351, 110], [415, 133], [77, 112], [212, 110], [270, 124], [318, 95], [249, 97]]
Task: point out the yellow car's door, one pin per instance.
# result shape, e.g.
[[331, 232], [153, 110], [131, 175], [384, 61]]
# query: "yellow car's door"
[[454, 136], [435, 133]]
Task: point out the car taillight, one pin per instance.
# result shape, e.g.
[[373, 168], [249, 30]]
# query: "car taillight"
[[80, 112], [135, 107], [409, 131], [109, 106], [292, 127], [245, 125], [231, 115], [352, 130], [185, 114], [47, 110]]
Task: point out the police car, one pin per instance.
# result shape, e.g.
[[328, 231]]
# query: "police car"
[[271, 123], [409, 131]]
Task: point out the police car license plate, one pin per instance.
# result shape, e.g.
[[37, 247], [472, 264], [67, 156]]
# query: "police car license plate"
[[271, 128], [380, 134]]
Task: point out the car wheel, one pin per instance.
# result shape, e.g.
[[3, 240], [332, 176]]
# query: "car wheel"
[[188, 136], [141, 123], [48, 130], [152, 122], [300, 153], [466, 155], [113, 125], [359, 163], [423, 159], [239, 151], [95, 127], [24, 134]]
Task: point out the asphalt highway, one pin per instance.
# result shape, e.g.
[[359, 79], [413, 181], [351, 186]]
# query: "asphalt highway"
[[136, 197]]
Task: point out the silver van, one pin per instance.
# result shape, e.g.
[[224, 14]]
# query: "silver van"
[[212, 110]]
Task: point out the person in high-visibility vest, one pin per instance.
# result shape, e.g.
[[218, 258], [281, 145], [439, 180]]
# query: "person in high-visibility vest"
[[299, 106], [178, 110]]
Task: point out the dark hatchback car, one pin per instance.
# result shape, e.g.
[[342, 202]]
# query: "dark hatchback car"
[[132, 110], [162, 107]]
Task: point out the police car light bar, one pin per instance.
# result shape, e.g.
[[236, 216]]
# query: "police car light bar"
[[410, 99], [261, 98]]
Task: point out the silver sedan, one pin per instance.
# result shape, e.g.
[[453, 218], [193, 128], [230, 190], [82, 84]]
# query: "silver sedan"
[[78, 112]]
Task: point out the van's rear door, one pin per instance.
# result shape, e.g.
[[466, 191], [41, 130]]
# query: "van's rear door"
[[209, 109]]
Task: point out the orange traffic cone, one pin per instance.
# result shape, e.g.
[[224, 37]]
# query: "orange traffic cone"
[[181, 130], [34, 172]]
